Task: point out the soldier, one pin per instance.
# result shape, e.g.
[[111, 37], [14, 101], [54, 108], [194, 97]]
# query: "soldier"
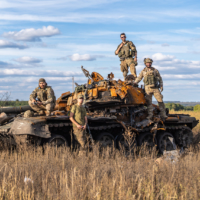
[[79, 119], [46, 98], [126, 51], [151, 79]]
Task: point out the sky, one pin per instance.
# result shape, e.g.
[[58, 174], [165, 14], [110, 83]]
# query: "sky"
[[53, 39]]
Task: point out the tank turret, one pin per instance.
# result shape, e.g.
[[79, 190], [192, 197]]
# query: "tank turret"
[[106, 97]]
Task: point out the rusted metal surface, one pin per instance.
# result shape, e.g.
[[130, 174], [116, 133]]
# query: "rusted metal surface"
[[175, 119], [106, 91]]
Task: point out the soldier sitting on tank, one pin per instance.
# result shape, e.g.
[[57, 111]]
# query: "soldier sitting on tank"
[[42, 98], [79, 119], [126, 51], [152, 81]]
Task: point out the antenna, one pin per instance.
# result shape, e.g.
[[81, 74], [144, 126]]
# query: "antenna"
[[72, 84]]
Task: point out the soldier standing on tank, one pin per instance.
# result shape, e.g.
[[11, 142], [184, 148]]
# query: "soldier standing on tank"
[[152, 81], [45, 98], [79, 119], [126, 51]]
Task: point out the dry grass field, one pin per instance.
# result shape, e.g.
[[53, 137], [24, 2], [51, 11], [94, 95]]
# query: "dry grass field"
[[62, 174]]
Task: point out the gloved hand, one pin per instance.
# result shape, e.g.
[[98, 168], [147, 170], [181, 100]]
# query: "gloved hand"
[[161, 88]]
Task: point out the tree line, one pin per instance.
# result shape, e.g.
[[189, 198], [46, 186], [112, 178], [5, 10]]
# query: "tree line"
[[177, 107], [13, 103], [170, 106]]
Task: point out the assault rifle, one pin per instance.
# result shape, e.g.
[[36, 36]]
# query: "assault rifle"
[[37, 102]]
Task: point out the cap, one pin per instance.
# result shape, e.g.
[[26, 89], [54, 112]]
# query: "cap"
[[42, 80], [80, 96], [148, 60]]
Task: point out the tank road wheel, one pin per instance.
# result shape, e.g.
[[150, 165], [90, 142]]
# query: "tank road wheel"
[[57, 141], [147, 139], [105, 139], [184, 138], [166, 142], [125, 145], [187, 137]]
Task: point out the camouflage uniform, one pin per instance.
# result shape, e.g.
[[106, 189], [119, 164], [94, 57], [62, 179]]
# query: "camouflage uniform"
[[46, 96], [126, 54], [151, 78], [79, 116]]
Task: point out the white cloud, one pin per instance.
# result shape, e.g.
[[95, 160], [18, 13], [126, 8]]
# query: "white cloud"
[[77, 17], [78, 57], [152, 48], [89, 47], [44, 73], [84, 57], [32, 34], [28, 60], [56, 79], [165, 45], [171, 62], [162, 57], [182, 76], [163, 68], [7, 44], [67, 12], [9, 65], [66, 4]]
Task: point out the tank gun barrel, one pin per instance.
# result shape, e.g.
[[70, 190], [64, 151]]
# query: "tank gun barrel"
[[15, 109]]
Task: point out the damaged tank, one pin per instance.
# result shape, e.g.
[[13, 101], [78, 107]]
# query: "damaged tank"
[[115, 109]]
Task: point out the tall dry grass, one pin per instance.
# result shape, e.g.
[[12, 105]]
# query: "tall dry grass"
[[109, 175], [63, 174]]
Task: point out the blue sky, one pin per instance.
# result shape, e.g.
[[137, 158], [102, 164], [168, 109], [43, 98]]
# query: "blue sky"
[[52, 39]]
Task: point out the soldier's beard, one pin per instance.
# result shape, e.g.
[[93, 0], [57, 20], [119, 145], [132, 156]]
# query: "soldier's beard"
[[42, 86], [148, 66]]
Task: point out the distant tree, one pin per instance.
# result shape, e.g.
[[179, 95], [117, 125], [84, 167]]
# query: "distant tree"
[[189, 107], [197, 107], [177, 106]]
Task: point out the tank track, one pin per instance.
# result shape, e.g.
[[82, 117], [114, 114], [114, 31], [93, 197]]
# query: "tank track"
[[168, 128], [181, 133], [172, 129], [5, 137]]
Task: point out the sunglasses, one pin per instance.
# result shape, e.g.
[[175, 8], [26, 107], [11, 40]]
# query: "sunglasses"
[[123, 37]]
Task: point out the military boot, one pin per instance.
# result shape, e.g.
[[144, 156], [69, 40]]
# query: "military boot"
[[125, 75], [162, 110], [150, 112]]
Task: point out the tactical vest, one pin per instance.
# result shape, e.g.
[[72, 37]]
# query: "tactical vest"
[[151, 79], [42, 94], [126, 51]]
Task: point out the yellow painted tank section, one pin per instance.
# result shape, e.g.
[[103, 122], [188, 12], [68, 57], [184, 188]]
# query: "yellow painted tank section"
[[124, 91], [136, 95]]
